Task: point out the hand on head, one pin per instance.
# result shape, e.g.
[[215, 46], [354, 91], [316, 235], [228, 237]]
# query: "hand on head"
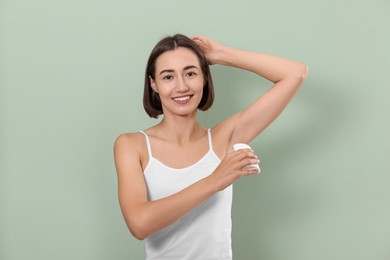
[[209, 47]]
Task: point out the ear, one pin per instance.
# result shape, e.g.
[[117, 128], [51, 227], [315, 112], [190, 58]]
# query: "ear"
[[153, 84]]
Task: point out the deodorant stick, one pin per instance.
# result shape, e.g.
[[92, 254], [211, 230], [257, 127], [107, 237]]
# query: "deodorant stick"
[[245, 146]]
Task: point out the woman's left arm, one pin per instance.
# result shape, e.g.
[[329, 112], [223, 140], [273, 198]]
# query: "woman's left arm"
[[286, 75]]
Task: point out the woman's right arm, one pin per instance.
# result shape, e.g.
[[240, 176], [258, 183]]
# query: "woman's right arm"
[[144, 217]]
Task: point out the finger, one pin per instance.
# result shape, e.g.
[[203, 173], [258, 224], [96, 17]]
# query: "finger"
[[245, 153], [199, 43], [247, 172], [196, 37], [247, 162], [200, 40]]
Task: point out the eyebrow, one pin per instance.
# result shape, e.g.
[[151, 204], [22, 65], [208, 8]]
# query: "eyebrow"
[[185, 68]]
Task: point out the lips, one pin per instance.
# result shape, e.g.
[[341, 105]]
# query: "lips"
[[182, 100]]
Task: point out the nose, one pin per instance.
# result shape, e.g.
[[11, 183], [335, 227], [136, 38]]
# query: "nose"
[[182, 85]]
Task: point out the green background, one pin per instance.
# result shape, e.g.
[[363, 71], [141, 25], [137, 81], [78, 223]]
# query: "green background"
[[71, 78]]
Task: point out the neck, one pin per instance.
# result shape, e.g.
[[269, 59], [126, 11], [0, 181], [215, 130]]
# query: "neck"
[[181, 130]]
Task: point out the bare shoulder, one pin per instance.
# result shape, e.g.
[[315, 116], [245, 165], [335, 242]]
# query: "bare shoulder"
[[128, 141], [130, 148]]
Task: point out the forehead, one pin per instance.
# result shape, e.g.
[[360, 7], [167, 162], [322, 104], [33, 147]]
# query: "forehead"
[[176, 59]]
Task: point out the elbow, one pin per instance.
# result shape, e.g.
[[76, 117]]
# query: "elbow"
[[301, 72], [298, 75], [138, 234], [304, 70], [136, 221], [139, 230]]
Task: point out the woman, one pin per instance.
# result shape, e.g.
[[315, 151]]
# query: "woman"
[[175, 178]]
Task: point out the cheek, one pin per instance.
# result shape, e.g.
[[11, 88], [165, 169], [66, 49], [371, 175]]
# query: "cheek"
[[198, 84], [164, 87], [200, 92]]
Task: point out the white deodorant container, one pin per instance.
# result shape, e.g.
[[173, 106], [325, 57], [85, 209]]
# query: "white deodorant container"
[[245, 146]]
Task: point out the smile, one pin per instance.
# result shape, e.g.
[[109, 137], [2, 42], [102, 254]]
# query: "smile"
[[181, 99]]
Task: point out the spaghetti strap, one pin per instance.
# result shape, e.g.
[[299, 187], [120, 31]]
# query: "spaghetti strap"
[[210, 139], [147, 143]]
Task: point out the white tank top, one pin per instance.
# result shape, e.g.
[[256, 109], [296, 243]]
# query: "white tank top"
[[205, 232]]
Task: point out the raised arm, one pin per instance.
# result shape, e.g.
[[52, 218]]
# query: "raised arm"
[[286, 75]]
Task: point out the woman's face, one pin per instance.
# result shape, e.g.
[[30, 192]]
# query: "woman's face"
[[179, 82]]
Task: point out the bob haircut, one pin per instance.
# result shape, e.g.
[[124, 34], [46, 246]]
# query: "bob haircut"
[[152, 103]]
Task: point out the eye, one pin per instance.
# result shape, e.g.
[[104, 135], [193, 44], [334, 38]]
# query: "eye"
[[168, 77], [191, 74]]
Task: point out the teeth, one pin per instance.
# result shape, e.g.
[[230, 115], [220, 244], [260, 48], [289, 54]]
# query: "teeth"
[[182, 98]]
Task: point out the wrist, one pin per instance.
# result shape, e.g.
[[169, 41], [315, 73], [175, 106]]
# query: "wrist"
[[224, 56], [221, 55], [210, 185]]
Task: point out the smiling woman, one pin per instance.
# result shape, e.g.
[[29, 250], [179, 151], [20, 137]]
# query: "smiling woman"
[[179, 81], [152, 102], [175, 178]]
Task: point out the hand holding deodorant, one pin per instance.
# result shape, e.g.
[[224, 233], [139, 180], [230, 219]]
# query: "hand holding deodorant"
[[245, 146]]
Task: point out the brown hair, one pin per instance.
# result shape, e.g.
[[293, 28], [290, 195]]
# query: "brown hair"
[[152, 103]]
